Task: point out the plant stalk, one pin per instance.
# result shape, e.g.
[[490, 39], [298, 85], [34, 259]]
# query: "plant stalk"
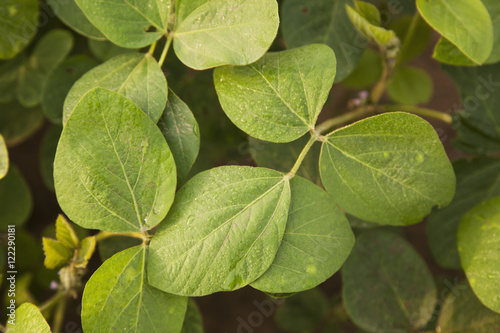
[[59, 316], [52, 301], [302, 155], [152, 48], [444, 117], [106, 234], [357, 113], [165, 49], [408, 37]]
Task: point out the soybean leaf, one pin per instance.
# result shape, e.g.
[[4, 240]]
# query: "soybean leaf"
[[9, 72], [282, 157], [410, 85], [193, 322], [104, 50], [59, 83], [85, 251], [15, 199], [128, 24], [65, 233], [478, 125], [477, 181], [279, 97], [387, 286], [118, 298], [28, 320], [110, 246], [47, 155], [4, 158], [367, 73], [302, 312], [389, 169], [316, 243], [366, 18], [220, 32], [479, 248], [180, 129], [222, 233], [420, 38], [465, 23], [113, 169], [69, 12], [18, 123], [136, 76], [20, 21], [49, 52], [324, 21], [56, 253], [463, 312]]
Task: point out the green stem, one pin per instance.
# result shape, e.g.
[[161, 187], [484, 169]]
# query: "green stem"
[[106, 234], [379, 88], [59, 316], [408, 37], [152, 49], [302, 155], [165, 50], [357, 113], [418, 111], [52, 301]]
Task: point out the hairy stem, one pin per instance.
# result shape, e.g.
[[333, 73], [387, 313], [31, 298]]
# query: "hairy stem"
[[302, 155], [444, 117], [357, 113], [59, 315], [106, 234], [165, 50]]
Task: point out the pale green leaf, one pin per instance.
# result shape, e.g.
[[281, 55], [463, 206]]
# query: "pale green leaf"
[[222, 233], [387, 286], [136, 76], [410, 85], [59, 83], [117, 298], [324, 21], [28, 320], [4, 158], [465, 23], [85, 251], [19, 24], [105, 50], [221, 32], [477, 181], [366, 18], [49, 52], [65, 233], [316, 243], [180, 129], [18, 123], [47, 155], [193, 322], [279, 97], [113, 169], [463, 312], [15, 199], [69, 12], [130, 24], [368, 71], [479, 248], [56, 253], [389, 169]]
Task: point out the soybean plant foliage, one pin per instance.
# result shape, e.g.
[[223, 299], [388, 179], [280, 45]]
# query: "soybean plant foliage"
[[205, 169]]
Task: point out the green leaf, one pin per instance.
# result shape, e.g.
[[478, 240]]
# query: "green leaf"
[[180, 129], [56, 253], [4, 158], [221, 32], [136, 76], [279, 97], [420, 38], [222, 233], [28, 320], [19, 23], [324, 21], [477, 181], [69, 12], [47, 155], [387, 286], [367, 73], [49, 52], [18, 123], [479, 248], [282, 157], [65, 233], [389, 169], [316, 243], [16, 202], [9, 72], [104, 50], [462, 312], [85, 252], [366, 18], [117, 298], [59, 83], [128, 24], [478, 125], [193, 322], [302, 312], [410, 85], [112, 245], [113, 169], [465, 23]]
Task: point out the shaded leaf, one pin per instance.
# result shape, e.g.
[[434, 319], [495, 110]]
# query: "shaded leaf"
[[420, 39], [28, 320], [20, 21], [16, 202], [104, 50], [47, 155], [110, 246], [193, 322], [9, 72], [18, 123], [368, 71], [410, 85]]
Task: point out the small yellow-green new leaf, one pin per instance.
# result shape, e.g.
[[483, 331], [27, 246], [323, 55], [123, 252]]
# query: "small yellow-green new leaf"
[[87, 248], [366, 19], [29, 319], [56, 253], [65, 233], [4, 158]]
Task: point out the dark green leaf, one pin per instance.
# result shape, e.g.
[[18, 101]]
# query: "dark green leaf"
[[104, 50], [18, 123], [193, 323], [368, 71], [112, 245], [9, 72], [15, 199], [410, 85], [420, 40], [19, 23], [48, 154]]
